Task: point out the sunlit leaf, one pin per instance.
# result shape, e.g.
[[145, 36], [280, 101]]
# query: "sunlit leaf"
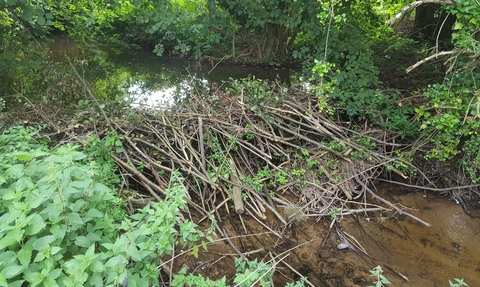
[[24, 255], [42, 241], [12, 271]]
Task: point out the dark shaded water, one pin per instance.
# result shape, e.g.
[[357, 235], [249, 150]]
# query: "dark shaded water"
[[162, 81]]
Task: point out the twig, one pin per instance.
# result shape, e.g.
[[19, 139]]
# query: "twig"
[[374, 196], [435, 56]]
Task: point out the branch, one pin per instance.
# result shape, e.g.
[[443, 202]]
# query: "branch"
[[413, 5], [409, 69]]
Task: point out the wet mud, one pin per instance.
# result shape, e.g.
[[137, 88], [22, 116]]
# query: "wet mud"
[[410, 253]]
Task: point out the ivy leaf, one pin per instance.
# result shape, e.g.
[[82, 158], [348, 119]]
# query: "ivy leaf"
[[12, 271]]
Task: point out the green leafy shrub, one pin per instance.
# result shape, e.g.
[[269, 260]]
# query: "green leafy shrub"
[[60, 227], [450, 119]]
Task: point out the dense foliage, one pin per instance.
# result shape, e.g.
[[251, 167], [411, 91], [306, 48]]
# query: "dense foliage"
[[61, 226], [60, 221]]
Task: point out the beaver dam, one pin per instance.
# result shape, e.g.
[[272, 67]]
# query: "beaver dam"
[[283, 179]]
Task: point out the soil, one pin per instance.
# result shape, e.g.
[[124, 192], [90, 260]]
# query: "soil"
[[411, 254]]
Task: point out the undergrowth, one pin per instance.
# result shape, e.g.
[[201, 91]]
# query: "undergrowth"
[[61, 226]]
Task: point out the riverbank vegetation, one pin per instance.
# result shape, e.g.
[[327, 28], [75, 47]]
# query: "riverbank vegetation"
[[382, 98]]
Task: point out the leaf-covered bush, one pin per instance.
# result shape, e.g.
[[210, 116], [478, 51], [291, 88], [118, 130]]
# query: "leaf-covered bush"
[[59, 226]]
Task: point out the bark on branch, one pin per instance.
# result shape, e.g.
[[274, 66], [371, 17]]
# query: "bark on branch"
[[435, 56], [413, 5]]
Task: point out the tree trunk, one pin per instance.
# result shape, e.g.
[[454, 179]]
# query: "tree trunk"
[[433, 24]]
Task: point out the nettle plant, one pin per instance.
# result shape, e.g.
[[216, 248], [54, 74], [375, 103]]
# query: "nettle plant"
[[60, 227]]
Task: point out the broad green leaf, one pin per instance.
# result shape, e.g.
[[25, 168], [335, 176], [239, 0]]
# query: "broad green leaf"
[[133, 252], [74, 218], [18, 283], [10, 195], [40, 257], [7, 240], [44, 195], [58, 231], [12, 271], [49, 282], [100, 187], [56, 159], [96, 279], [78, 155], [23, 156], [97, 266], [42, 241], [195, 251], [56, 249], [77, 205], [35, 225], [92, 212], [41, 20], [118, 261], [81, 184], [24, 183], [24, 255], [83, 241], [69, 190], [55, 273], [34, 278], [90, 251], [204, 246], [3, 281], [15, 171], [27, 14], [12, 2], [7, 258], [94, 237]]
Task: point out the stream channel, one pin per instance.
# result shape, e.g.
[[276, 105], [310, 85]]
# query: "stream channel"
[[410, 254]]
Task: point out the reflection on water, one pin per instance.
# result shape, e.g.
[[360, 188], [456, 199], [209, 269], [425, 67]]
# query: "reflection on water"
[[456, 226], [158, 81]]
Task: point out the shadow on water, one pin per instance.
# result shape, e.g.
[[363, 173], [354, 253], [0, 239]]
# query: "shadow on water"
[[163, 81]]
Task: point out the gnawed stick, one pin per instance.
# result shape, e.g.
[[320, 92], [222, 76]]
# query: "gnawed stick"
[[237, 191], [374, 196]]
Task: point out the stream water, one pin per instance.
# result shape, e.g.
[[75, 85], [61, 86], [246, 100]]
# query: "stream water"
[[163, 81], [411, 254]]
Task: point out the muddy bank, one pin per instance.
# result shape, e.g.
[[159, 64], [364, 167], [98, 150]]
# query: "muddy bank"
[[406, 250]]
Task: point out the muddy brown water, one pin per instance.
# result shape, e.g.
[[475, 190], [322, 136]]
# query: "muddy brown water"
[[405, 249]]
